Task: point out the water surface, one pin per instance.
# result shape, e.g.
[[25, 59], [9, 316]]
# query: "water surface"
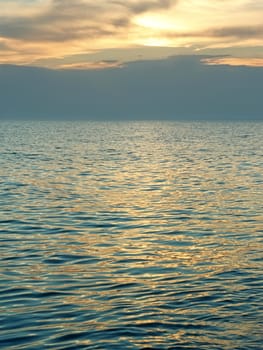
[[131, 235]]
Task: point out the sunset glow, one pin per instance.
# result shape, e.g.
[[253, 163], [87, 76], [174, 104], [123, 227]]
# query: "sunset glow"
[[32, 32]]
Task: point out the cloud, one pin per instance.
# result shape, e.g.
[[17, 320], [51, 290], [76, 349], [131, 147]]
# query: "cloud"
[[4, 46], [234, 61], [61, 21], [42, 29], [66, 20], [180, 87], [241, 32], [138, 7], [58, 28], [97, 65], [253, 5]]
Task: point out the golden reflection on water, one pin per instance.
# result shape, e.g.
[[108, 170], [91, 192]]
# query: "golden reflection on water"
[[147, 233]]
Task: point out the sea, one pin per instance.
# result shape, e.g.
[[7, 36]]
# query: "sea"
[[131, 235]]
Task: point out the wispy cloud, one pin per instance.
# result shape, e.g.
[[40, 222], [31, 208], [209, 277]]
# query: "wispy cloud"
[[234, 61], [97, 65], [237, 32], [241, 32], [138, 7]]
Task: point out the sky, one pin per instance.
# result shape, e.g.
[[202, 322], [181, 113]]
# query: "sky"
[[107, 43]]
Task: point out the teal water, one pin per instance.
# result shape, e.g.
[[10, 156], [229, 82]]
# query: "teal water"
[[131, 235]]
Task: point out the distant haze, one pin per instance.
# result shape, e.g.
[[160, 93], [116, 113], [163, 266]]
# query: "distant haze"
[[180, 87]]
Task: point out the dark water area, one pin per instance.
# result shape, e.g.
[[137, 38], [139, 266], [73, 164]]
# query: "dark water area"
[[133, 235]]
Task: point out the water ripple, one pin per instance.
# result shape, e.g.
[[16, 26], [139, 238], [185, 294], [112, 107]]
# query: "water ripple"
[[131, 236]]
